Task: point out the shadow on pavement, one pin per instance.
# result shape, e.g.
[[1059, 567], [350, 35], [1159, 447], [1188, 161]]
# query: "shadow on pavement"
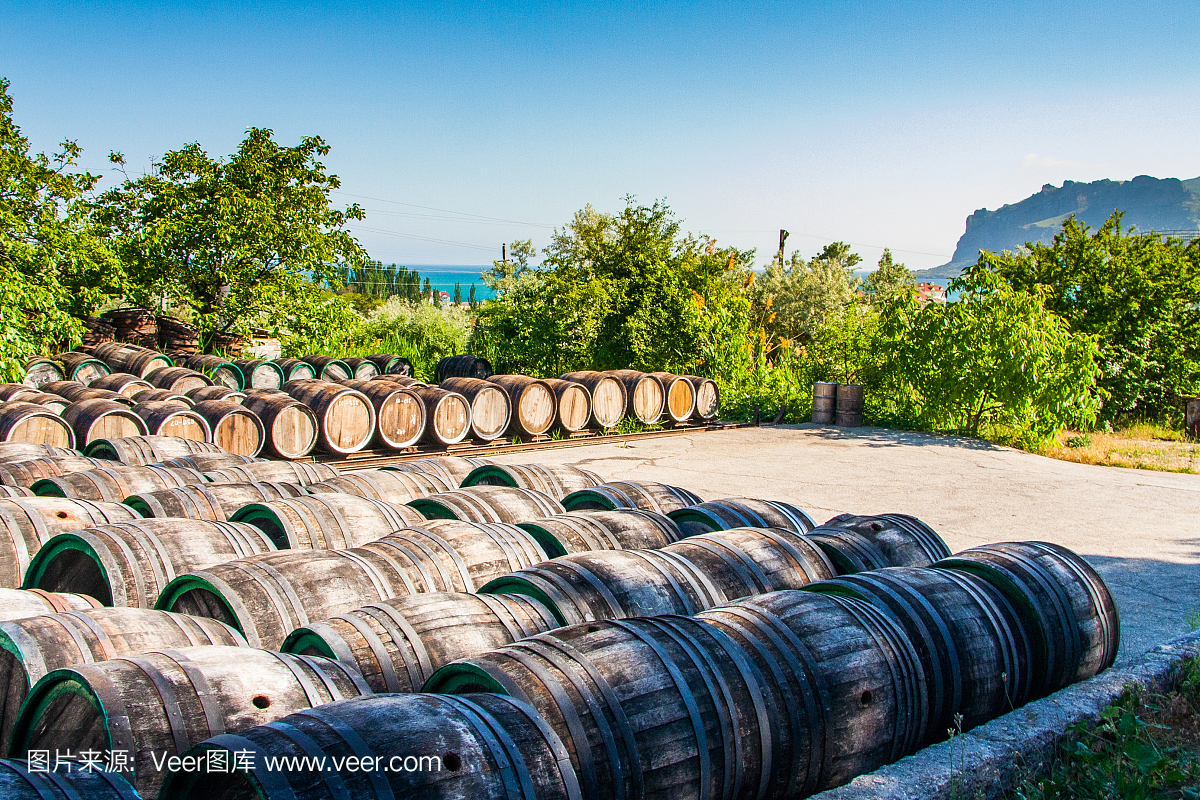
[[888, 437]]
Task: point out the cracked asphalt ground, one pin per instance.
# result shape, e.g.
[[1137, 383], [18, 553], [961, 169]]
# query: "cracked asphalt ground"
[[1139, 529]]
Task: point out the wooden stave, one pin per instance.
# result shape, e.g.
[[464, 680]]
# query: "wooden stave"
[[622, 529], [488, 504], [163, 418], [705, 388], [392, 364], [679, 390], [164, 395], [453, 555], [325, 399], [606, 411], [295, 369], [40, 370], [16, 417], [26, 473], [85, 415], [388, 486], [208, 501], [451, 468], [741, 512], [217, 414], [384, 396], [29, 523], [329, 368], [481, 395], [15, 391], [114, 483], [147, 450], [574, 404], [362, 369], [556, 480], [223, 372], [326, 521], [82, 367], [207, 462], [53, 402], [129, 358], [73, 391], [276, 410], [19, 782], [747, 561], [121, 382], [16, 452], [438, 402], [261, 374], [301, 473], [639, 390], [646, 495], [202, 393], [462, 366], [21, 603], [533, 404], [178, 379]]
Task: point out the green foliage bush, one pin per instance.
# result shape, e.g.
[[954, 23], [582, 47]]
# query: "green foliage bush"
[[421, 332]]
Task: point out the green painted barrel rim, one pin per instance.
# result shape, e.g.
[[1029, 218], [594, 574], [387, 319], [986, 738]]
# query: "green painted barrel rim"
[[278, 369], [212, 371], [46, 487], [49, 688], [8, 645], [101, 449], [177, 588], [86, 362], [462, 678], [266, 520], [302, 639], [495, 471], [140, 506], [576, 500], [697, 515], [431, 509], [335, 362], [516, 584], [549, 542], [57, 545]]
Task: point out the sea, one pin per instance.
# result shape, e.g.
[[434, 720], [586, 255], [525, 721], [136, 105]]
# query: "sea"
[[443, 277]]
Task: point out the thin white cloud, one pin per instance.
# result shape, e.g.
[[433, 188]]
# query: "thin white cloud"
[[1034, 160]]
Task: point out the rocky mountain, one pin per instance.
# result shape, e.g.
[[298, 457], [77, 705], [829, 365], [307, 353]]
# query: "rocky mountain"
[[1150, 204]]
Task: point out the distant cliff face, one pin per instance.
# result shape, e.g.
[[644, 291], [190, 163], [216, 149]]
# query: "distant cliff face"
[[1150, 204]]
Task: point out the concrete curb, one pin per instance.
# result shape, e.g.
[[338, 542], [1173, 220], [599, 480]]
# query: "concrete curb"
[[986, 760]]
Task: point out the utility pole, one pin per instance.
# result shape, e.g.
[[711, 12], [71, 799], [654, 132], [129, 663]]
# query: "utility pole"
[[504, 253], [782, 238]]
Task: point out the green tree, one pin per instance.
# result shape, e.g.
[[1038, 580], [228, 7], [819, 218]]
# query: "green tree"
[[427, 291], [794, 299], [889, 279], [457, 294], [505, 275], [474, 303]]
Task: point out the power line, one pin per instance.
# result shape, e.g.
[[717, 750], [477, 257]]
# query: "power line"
[[424, 238], [446, 210]]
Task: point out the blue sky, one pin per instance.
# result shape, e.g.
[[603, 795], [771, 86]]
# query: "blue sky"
[[459, 126]]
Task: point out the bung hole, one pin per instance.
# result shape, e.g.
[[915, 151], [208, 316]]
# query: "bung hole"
[[866, 698], [452, 762], [260, 701], [62, 515], [877, 526]]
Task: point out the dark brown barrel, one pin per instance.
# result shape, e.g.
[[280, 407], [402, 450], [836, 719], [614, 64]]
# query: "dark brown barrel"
[[824, 404], [401, 380], [389, 486], [849, 405], [510, 747], [399, 414], [27, 473], [451, 468], [398, 643], [63, 780], [679, 396], [646, 495], [534, 407], [855, 544], [142, 450], [51, 402], [345, 417], [326, 521], [124, 704], [447, 415], [74, 391], [41, 370], [80, 367], [202, 393], [260, 374], [164, 396], [179, 421], [222, 371], [234, 428], [21, 603], [16, 391], [557, 480], [130, 358], [462, 366], [741, 512], [102, 419], [708, 397], [1063, 604], [178, 379], [291, 426], [388, 364], [208, 462], [209, 501], [129, 563], [121, 383], [488, 504], [16, 452], [491, 410], [328, 368], [34, 424], [362, 369], [573, 402], [114, 483], [30, 521], [31, 648], [294, 369], [301, 474], [177, 336], [645, 395], [623, 529]]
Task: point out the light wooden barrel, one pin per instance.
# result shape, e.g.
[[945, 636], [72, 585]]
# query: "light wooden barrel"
[[609, 397], [708, 397], [623, 529], [74, 391], [290, 426], [453, 469], [387, 485], [328, 368], [142, 450], [261, 374], [646, 495], [129, 563], [849, 405], [34, 424], [41, 370], [178, 379], [294, 369], [51, 402], [462, 366], [235, 428], [556, 480], [645, 395], [21, 603], [679, 396], [399, 414], [209, 462], [177, 420], [824, 404], [16, 391], [326, 521], [65, 780], [102, 419], [533, 404], [573, 402], [121, 383], [80, 367], [488, 504], [301, 474], [29, 522], [120, 704], [741, 512], [16, 452], [398, 643], [447, 415], [114, 483], [202, 393], [130, 358], [491, 411], [223, 372], [208, 501], [508, 744], [855, 544], [163, 396], [345, 417], [389, 364], [31, 648], [362, 369], [27, 473]]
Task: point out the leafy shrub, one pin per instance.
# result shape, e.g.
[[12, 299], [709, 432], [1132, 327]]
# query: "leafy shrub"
[[421, 332]]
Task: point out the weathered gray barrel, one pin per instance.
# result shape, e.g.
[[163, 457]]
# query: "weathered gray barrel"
[[291, 427], [41, 370], [114, 483], [120, 382], [362, 369], [557, 480], [210, 501], [81, 367], [451, 468], [741, 512], [129, 563], [326, 521], [64, 780], [398, 643], [345, 417], [34, 424], [849, 405], [824, 404], [14, 491], [388, 364], [222, 372], [30, 521], [302, 473], [387, 485], [749, 561], [178, 379], [328, 368], [294, 369], [462, 366], [509, 746], [533, 404], [855, 544], [16, 452], [462, 556], [235, 428], [177, 420], [31, 648], [21, 603], [142, 450], [130, 358], [29, 472], [645, 395], [261, 374], [609, 397], [646, 495], [708, 397], [165, 395], [623, 529], [488, 504], [399, 414], [123, 703], [573, 402], [209, 462], [679, 396], [447, 415], [491, 410], [102, 419], [202, 393], [52, 402], [74, 391]]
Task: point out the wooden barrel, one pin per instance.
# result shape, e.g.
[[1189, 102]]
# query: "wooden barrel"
[[328, 368], [209, 462], [679, 394], [80, 367], [122, 383], [573, 402], [142, 450], [557, 480], [114, 483], [326, 521], [510, 746], [488, 504], [21, 603], [179, 421], [400, 380], [123, 704], [102, 419], [202, 393], [362, 369], [131, 358], [294, 369], [28, 522], [398, 643], [846, 683], [209, 501], [399, 414], [41, 370], [164, 396], [457, 556], [1063, 603], [646, 495], [849, 405], [178, 379], [18, 781], [976, 654], [16, 391], [645, 395], [447, 415], [291, 427], [32, 648], [741, 512], [27, 473], [16, 452], [234, 428], [222, 371], [388, 364], [655, 708], [824, 404], [533, 404], [623, 529], [749, 561], [453, 469], [261, 374], [491, 410], [462, 366], [301, 474], [345, 417], [708, 397], [386, 485], [74, 391], [855, 544], [50, 402], [34, 424], [129, 563]]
